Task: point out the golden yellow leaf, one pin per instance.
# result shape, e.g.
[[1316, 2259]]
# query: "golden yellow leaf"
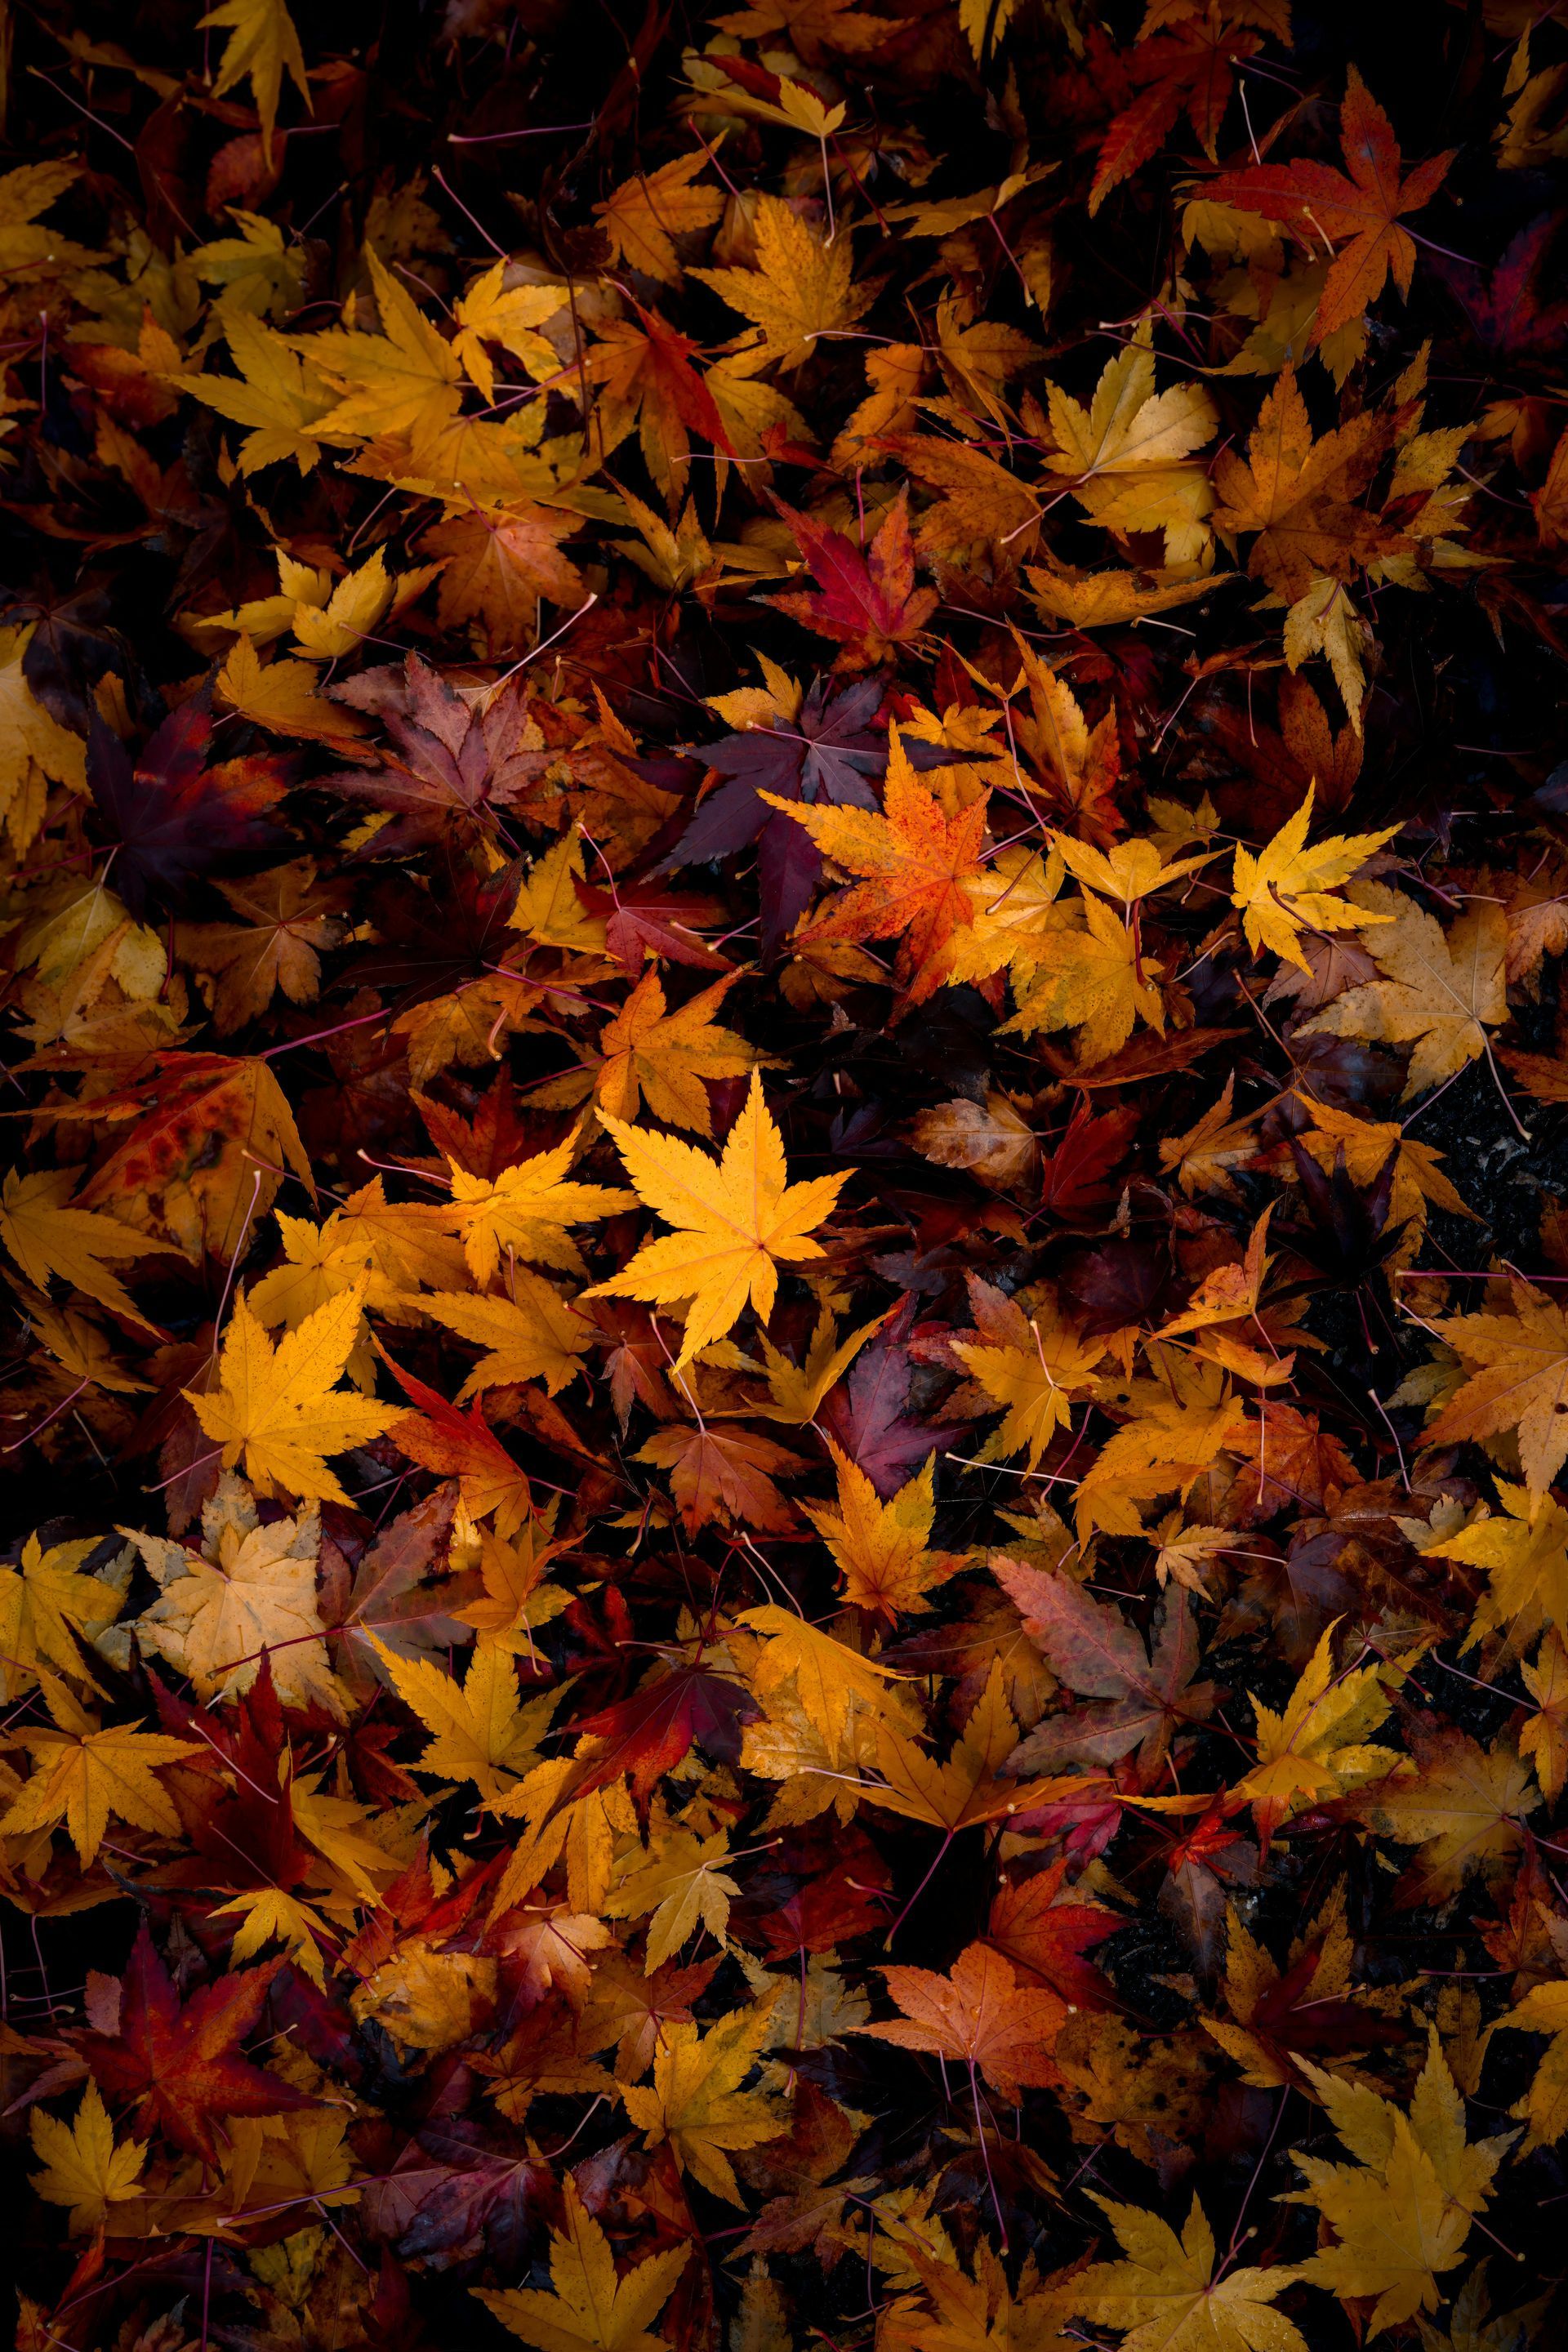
[[82, 2166], [736, 1219], [280, 1410], [1283, 889], [84, 1777], [1441, 991], [644, 214], [801, 286], [590, 2308]]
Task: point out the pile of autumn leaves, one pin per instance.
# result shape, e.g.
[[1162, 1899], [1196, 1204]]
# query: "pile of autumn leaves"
[[593, 1383]]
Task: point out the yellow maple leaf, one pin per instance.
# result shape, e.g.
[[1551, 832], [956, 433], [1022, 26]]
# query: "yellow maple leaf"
[[1517, 1378], [547, 907], [493, 312], [84, 1777], [736, 1219], [1283, 889], [1544, 1739], [266, 1915], [525, 1212], [802, 287], [278, 395], [967, 1789], [282, 698], [1096, 981], [45, 1603], [826, 1674], [695, 2101], [1524, 1551], [1441, 992], [407, 375], [82, 2166], [644, 214], [1401, 2214], [1318, 1746], [532, 1335], [796, 1391], [1126, 453], [46, 1236], [214, 1615], [881, 1550], [1032, 1364], [35, 750], [680, 1880], [590, 2308], [479, 1732], [663, 1058], [263, 44], [280, 1409], [1463, 1805], [1166, 2293]]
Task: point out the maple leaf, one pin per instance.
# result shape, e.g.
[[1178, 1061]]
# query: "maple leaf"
[[1402, 2212], [648, 1734], [1442, 991], [46, 1605], [867, 600], [464, 1446], [278, 395], [736, 1219], [1188, 70], [882, 1549], [1297, 494], [454, 756], [1525, 1552], [46, 1236], [1517, 1378], [1045, 1935], [83, 2168], [917, 862], [526, 1209], [406, 376], [263, 45], [280, 1409], [216, 1618], [645, 373], [35, 750], [695, 2102], [1359, 208], [724, 1474], [1166, 2293], [493, 312], [287, 921], [644, 214], [531, 1335], [1031, 1364], [1126, 453], [1318, 1746], [83, 1775], [1140, 1695], [590, 2308], [966, 1790], [205, 1138], [802, 286], [980, 2016], [174, 818], [1463, 1805], [499, 563], [182, 2064], [1283, 889], [664, 1058], [817, 749], [480, 1731], [680, 1884]]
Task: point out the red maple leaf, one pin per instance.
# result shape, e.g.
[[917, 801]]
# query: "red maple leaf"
[[1360, 213], [869, 602], [184, 2065]]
